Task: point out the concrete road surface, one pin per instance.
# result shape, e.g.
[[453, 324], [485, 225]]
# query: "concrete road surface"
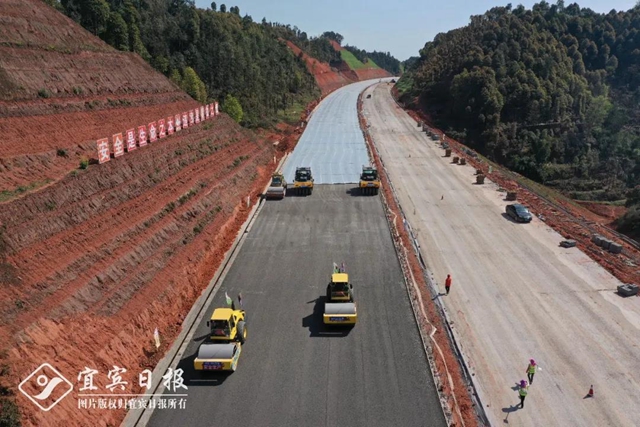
[[332, 144], [292, 370], [515, 294]]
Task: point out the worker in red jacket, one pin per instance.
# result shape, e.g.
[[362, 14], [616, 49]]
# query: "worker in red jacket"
[[447, 283]]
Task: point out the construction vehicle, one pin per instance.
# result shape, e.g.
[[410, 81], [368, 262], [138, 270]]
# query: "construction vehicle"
[[369, 181], [340, 308], [303, 182], [221, 349], [278, 187]]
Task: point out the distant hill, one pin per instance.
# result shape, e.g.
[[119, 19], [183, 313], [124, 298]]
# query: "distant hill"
[[331, 64], [552, 92]]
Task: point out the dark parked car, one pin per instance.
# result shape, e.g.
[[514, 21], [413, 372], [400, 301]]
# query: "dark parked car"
[[519, 213]]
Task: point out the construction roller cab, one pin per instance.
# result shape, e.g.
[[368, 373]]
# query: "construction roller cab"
[[278, 187], [340, 307], [303, 182], [369, 181], [221, 349]]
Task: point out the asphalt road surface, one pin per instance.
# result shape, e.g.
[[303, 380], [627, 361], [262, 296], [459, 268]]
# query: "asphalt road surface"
[[292, 370], [332, 144], [516, 295]]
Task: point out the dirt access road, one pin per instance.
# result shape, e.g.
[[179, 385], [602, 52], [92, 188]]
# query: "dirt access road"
[[515, 293]]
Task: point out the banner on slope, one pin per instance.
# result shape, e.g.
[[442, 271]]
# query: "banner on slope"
[[197, 115], [206, 112], [161, 129], [142, 135], [153, 132], [217, 109], [131, 140], [178, 122], [103, 150], [191, 118], [185, 120], [118, 145], [201, 113], [169, 125]]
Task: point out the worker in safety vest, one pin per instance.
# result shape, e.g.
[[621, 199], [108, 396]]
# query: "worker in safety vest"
[[531, 370], [447, 283], [522, 391]]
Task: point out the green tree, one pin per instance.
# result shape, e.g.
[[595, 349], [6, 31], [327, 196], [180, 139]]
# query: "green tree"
[[223, 8], [117, 33], [214, 6], [192, 84], [176, 77], [94, 15], [232, 107]]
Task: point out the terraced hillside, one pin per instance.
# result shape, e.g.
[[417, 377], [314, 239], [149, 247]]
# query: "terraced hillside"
[[93, 260], [61, 89]]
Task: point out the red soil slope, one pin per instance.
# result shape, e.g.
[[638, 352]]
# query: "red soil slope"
[[104, 257], [94, 261], [61, 89], [329, 79], [336, 45]]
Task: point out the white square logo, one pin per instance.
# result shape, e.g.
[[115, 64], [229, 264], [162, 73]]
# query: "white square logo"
[[45, 387]]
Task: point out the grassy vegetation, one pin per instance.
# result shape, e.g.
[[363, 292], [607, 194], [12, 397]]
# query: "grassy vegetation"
[[405, 84], [10, 194], [353, 62], [292, 114]]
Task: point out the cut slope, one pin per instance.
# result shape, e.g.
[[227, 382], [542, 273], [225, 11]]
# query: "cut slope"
[[60, 81], [104, 257], [329, 79]]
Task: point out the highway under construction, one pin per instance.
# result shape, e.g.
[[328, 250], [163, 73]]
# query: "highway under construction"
[[516, 293], [293, 369]]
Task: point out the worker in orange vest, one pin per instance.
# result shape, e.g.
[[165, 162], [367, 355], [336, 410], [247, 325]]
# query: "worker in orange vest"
[[447, 283]]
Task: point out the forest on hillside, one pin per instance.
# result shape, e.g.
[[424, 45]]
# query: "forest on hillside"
[[552, 92], [212, 53]]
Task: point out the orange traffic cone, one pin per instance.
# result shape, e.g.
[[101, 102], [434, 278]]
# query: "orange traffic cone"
[[590, 394]]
